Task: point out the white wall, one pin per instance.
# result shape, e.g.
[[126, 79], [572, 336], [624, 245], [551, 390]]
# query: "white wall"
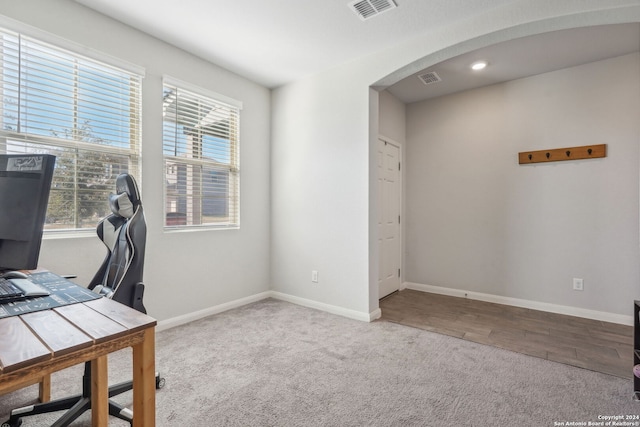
[[319, 194], [321, 185], [324, 130], [184, 272], [478, 221], [392, 117]]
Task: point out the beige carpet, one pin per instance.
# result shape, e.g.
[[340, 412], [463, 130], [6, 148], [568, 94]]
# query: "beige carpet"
[[276, 364]]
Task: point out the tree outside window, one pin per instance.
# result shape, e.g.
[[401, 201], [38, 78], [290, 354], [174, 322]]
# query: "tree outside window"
[[84, 112]]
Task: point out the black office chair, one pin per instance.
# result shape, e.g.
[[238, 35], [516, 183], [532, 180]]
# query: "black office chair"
[[124, 234]]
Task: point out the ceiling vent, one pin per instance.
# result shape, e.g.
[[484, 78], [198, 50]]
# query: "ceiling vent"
[[367, 9], [430, 77]]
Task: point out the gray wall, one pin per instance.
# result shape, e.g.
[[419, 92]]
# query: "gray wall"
[[392, 119], [185, 271], [478, 221], [392, 125], [308, 193], [324, 133]]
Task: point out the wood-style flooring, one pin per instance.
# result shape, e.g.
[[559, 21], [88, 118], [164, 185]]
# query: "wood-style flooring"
[[585, 343]]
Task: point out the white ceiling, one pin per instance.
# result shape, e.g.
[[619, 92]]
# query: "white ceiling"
[[273, 42], [523, 57]]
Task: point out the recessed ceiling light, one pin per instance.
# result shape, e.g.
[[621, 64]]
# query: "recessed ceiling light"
[[479, 65]]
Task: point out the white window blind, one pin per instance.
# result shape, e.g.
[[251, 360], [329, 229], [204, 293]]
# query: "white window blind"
[[85, 112], [200, 143]]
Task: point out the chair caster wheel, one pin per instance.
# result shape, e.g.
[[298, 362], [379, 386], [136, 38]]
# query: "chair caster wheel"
[[160, 382], [9, 423]]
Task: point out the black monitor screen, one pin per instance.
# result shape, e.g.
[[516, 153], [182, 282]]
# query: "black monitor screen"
[[25, 182]]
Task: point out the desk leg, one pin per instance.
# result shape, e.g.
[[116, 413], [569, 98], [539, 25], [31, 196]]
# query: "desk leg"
[[99, 392], [144, 384], [44, 394]]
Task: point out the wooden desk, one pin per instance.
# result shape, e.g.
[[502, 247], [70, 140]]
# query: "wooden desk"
[[34, 345]]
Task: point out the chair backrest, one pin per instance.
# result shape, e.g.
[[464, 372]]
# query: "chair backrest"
[[124, 233]]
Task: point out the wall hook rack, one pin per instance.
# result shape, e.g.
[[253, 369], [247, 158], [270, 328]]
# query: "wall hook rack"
[[562, 154]]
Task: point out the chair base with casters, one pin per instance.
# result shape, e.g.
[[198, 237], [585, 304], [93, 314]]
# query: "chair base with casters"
[[79, 404], [44, 387]]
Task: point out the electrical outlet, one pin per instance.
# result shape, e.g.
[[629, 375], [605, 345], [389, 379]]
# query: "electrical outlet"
[[578, 284], [314, 276]]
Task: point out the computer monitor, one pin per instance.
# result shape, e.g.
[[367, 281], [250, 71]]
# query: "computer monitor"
[[25, 182]]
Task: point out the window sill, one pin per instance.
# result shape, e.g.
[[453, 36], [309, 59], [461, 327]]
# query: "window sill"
[[74, 234], [203, 228]]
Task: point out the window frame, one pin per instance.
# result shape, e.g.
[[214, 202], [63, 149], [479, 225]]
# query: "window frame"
[[105, 64], [233, 167]]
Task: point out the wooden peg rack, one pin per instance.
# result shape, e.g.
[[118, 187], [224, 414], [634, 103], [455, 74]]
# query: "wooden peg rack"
[[561, 154]]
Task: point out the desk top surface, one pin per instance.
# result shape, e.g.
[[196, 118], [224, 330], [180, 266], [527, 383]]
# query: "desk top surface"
[[62, 292], [39, 336]]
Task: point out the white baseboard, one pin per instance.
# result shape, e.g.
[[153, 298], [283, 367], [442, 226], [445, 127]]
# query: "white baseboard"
[[516, 302], [200, 314], [333, 309]]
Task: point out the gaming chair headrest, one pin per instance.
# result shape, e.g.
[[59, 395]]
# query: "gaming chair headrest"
[[127, 198]]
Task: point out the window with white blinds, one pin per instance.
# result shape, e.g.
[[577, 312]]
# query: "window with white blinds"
[[84, 112], [200, 144]]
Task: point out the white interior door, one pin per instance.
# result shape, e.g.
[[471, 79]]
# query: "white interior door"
[[388, 217]]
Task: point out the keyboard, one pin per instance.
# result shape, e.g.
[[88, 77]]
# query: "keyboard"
[[19, 289]]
